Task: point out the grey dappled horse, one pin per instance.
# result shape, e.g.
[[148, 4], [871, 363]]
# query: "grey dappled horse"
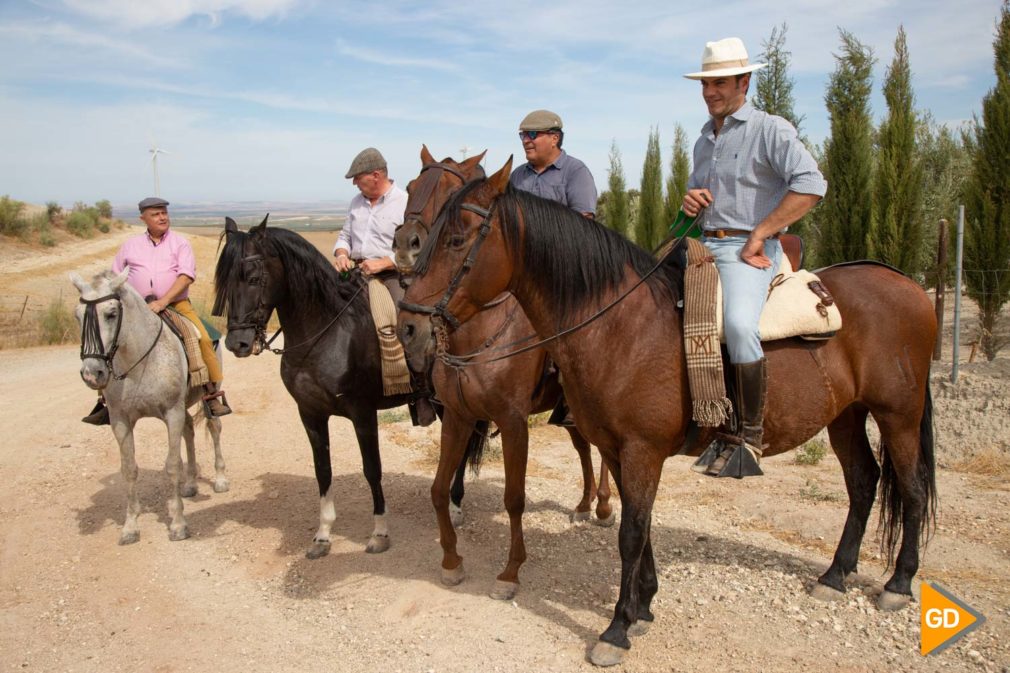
[[142, 370]]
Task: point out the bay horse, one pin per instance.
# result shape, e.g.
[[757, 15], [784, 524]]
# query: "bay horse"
[[506, 392], [120, 333], [331, 362], [627, 383]]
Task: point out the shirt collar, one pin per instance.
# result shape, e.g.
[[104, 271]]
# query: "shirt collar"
[[164, 238], [558, 163], [742, 115]]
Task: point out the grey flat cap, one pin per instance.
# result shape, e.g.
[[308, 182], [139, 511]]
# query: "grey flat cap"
[[152, 202], [540, 120], [368, 160]]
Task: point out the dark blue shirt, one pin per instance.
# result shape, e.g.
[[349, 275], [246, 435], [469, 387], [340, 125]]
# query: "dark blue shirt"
[[567, 181]]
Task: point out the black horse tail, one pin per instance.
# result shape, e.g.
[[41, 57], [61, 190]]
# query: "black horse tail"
[[891, 504], [475, 447]]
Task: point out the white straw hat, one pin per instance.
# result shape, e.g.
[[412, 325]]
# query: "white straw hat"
[[724, 58]]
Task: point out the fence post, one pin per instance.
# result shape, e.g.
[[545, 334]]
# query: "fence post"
[[941, 283], [957, 292]]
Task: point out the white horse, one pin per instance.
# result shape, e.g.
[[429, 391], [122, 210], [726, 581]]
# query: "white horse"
[[142, 370]]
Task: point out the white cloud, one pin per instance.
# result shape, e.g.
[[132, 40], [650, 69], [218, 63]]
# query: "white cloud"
[[164, 13], [373, 56], [60, 34]]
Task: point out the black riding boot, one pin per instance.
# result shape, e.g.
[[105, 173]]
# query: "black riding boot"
[[740, 455], [99, 415], [214, 402]]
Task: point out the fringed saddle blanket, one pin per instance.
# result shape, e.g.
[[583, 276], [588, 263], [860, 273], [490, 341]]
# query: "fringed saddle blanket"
[[190, 336], [395, 375]]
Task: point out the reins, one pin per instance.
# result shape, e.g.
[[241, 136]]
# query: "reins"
[[91, 336], [440, 313]]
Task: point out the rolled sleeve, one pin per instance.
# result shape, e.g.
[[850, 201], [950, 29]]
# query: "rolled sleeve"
[[186, 260], [793, 160]]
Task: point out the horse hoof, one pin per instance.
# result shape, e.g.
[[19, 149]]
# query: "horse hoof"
[[639, 628], [377, 544], [605, 654], [823, 592], [177, 534], [319, 549], [891, 602], [453, 576], [607, 522], [187, 491], [456, 515], [129, 538], [221, 485], [580, 516], [504, 591]]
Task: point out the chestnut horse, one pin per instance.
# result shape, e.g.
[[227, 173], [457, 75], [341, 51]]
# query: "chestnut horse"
[[506, 392], [623, 359]]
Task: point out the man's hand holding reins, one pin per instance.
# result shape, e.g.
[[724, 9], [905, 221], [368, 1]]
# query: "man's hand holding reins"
[[695, 200]]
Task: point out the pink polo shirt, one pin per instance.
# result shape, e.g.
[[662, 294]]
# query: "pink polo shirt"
[[154, 267]]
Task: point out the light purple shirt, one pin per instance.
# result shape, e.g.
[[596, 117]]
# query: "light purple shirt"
[[368, 232], [155, 267]]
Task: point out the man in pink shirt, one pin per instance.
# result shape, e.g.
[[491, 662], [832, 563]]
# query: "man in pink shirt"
[[162, 267]]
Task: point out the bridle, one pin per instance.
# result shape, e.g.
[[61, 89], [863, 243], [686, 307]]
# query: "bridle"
[[420, 196], [92, 346]]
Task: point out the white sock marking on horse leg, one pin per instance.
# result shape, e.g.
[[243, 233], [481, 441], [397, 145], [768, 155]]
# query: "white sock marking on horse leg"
[[327, 515], [380, 526]]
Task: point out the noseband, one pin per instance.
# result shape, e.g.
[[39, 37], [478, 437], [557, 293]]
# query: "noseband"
[[255, 319], [425, 189]]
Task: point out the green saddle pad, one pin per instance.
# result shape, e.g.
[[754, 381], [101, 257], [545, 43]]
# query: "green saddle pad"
[[212, 332]]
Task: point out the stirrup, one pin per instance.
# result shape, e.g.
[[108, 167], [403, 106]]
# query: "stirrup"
[[215, 405], [99, 415], [741, 463], [708, 457]]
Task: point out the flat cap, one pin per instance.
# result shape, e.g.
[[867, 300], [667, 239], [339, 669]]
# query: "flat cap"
[[152, 202], [368, 159], [540, 120]]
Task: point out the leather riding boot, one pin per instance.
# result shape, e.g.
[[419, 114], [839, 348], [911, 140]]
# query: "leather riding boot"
[[423, 411], [214, 402], [99, 415], [562, 415], [740, 458]]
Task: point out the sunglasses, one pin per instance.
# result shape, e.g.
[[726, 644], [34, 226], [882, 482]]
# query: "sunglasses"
[[532, 135]]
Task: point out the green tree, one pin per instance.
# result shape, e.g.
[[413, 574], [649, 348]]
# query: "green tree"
[[774, 91], [616, 205], [945, 166], [897, 226], [987, 197], [680, 171], [104, 208], [844, 216], [650, 230]]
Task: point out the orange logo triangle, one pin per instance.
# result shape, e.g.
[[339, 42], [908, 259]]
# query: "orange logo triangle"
[[943, 619]]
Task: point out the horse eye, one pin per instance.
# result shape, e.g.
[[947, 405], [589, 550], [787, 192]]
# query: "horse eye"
[[456, 241], [110, 314]]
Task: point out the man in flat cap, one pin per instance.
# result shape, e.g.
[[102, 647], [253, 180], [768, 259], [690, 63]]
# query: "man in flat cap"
[[366, 239], [549, 171], [752, 178], [162, 267]]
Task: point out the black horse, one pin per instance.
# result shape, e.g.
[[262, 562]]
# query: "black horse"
[[331, 360]]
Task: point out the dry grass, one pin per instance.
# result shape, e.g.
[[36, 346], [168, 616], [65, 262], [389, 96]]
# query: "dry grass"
[[990, 462]]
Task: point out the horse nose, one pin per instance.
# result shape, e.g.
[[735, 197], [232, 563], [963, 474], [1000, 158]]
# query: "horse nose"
[[414, 242], [239, 346]]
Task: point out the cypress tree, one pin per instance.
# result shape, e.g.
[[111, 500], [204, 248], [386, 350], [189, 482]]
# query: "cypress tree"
[[987, 197], [650, 230], [774, 91], [676, 183], [616, 206], [896, 231], [844, 216]]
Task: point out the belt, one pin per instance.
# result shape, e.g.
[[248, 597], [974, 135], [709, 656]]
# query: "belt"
[[723, 233]]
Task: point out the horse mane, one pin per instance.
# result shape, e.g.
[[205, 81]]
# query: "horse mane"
[[576, 260], [308, 274]]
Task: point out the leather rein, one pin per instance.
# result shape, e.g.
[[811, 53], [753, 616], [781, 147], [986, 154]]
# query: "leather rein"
[[92, 346]]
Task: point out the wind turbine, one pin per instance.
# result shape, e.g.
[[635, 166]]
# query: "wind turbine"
[[465, 151], [155, 151]]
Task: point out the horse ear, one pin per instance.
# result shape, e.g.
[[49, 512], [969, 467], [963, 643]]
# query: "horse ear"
[[426, 158], [78, 282], [118, 281], [230, 225], [261, 227], [473, 161], [500, 180]]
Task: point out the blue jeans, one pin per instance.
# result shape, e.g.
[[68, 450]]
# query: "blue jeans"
[[744, 292]]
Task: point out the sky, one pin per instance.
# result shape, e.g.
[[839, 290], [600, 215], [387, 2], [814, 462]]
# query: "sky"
[[269, 100]]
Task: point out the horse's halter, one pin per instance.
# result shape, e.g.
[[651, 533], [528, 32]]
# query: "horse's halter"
[[440, 314], [425, 188], [257, 318], [92, 346]]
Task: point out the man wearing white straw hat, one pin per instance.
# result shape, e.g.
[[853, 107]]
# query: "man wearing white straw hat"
[[752, 178]]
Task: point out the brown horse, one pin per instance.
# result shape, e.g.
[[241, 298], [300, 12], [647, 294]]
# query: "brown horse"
[[627, 380], [505, 392]]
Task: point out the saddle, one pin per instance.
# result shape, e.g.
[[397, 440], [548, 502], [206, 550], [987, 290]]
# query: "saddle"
[[395, 374], [190, 337]]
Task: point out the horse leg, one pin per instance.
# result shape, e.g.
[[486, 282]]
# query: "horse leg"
[[366, 427], [189, 486], [456, 493], [604, 510], [221, 483], [637, 478], [907, 489], [583, 510], [648, 585], [848, 439], [123, 431], [455, 435], [175, 419], [515, 448], [317, 429]]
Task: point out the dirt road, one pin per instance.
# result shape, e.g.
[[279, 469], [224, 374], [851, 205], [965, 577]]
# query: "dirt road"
[[735, 558]]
